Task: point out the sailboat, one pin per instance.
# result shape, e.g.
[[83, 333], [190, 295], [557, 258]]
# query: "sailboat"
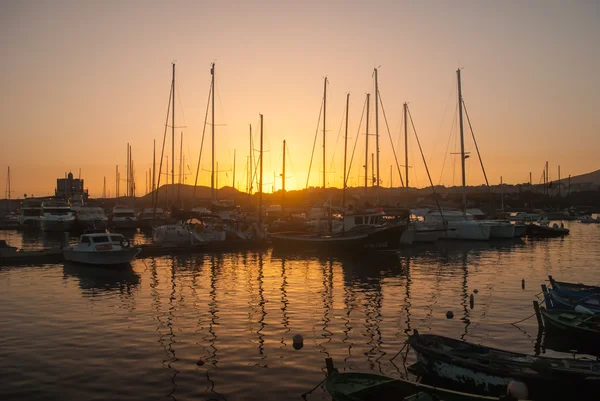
[[461, 225], [11, 219], [361, 231]]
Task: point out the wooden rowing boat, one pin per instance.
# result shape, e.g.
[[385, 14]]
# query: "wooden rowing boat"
[[485, 370], [370, 387]]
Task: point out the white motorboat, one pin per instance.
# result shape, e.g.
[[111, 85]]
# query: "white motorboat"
[[104, 249], [428, 233], [30, 213], [191, 231], [124, 217], [76, 203], [57, 216], [459, 226], [151, 217], [91, 217]]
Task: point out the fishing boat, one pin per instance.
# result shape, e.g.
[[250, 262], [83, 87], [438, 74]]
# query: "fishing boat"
[[106, 249], [354, 386], [486, 370], [57, 216], [544, 230], [570, 300], [561, 285]]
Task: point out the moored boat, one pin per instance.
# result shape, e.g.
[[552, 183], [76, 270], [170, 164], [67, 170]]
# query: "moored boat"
[[486, 370], [106, 249], [91, 217], [353, 386], [546, 231], [152, 217], [30, 213], [358, 239], [561, 285], [569, 300], [124, 217], [57, 216]]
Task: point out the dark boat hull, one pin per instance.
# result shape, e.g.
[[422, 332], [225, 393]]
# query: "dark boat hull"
[[485, 370], [587, 289], [534, 230], [370, 240]]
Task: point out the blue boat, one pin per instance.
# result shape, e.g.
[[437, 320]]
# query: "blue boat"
[[569, 299], [561, 285]]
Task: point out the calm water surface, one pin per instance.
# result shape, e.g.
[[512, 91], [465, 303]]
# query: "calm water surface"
[[220, 327]]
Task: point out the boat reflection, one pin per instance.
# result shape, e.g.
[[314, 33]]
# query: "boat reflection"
[[98, 279]]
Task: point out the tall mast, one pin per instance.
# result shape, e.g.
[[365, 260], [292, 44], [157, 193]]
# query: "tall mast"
[[462, 145], [117, 181], [180, 167], [251, 163], [260, 179], [217, 181], [373, 169], [406, 149], [324, 117], [153, 171], [103, 191], [547, 180], [559, 191], [283, 174], [8, 184], [233, 176], [127, 175], [501, 195], [367, 145], [212, 174], [377, 125], [173, 138], [345, 151]]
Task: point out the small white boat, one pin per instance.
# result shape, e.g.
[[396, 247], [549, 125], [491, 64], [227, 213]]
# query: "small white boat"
[[57, 216], [10, 220], [459, 226], [191, 231], [124, 217], [105, 249]]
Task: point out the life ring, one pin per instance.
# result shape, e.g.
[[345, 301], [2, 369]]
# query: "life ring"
[[125, 243]]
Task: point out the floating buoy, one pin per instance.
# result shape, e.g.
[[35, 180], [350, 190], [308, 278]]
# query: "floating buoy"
[[518, 389], [298, 341], [523, 284], [449, 315], [200, 362], [475, 291], [471, 301]]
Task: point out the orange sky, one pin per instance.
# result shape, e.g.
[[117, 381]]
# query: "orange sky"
[[80, 81]]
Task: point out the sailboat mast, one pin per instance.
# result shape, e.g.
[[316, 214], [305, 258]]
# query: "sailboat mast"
[[283, 172], [127, 174], [173, 138], [251, 163], [260, 179], [377, 126], [345, 151], [462, 145], [233, 176], [501, 195], [180, 167], [8, 194], [324, 117], [367, 145], [406, 147], [212, 174], [153, 171]]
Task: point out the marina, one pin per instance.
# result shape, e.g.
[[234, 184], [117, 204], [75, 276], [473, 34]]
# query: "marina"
[[316, 201]]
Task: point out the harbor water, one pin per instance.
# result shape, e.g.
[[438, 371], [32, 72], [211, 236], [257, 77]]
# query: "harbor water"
[[221, 326]]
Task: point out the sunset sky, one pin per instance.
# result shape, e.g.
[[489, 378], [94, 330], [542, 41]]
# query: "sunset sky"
[[81, 79]]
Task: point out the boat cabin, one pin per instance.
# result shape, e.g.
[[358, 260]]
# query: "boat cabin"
[[372, 219], [100, 241]]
